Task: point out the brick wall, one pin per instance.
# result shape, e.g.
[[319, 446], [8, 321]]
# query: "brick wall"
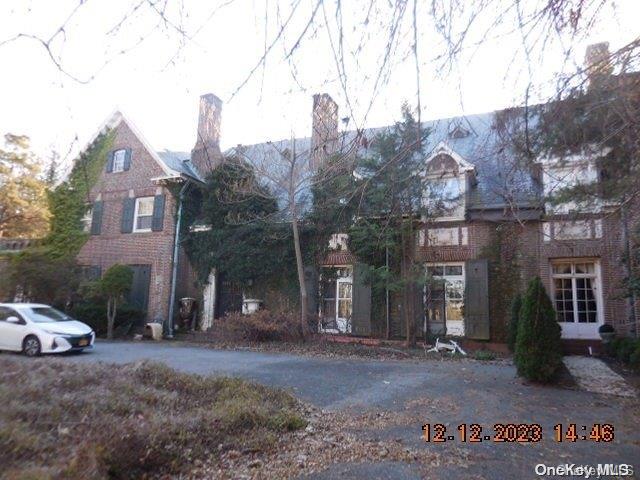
[[534, 257], [148, 248]]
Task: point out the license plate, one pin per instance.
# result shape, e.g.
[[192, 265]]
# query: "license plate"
[[83, 343]]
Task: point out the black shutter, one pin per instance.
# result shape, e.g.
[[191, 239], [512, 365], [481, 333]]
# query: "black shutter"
[[312, 285], [95, 272], [96, 218], [110, 162], [127, 159], [128, 207], [361, 302], [158, 213], [476, 300]]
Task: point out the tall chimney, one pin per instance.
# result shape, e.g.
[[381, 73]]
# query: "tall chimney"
[[597, 62], [206, 154], [324, 134]]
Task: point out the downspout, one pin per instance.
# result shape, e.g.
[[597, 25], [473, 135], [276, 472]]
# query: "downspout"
[[174, 261]]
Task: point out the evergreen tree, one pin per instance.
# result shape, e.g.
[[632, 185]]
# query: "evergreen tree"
[[114, 285], [538, 352], [512, 334], [390, 206]]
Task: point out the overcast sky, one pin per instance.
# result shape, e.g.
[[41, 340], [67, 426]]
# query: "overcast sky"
[[158, 80]]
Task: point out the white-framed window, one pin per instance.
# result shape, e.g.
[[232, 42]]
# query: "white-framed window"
[[119, 158], [143, 214], [445, 197], [86, 220], [577, 297]]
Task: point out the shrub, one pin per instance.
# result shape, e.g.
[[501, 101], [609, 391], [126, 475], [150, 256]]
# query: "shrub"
[[261, 326], [624, 348], [538, 351], [94, 314], [512, 334], [634, 360], [484, 355]]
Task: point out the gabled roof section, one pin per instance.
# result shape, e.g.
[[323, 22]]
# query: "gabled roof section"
[[169, 162], [444, 148]]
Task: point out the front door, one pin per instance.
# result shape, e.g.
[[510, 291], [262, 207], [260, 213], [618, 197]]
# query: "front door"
[[444, 298], [336, 308], [230, 297], [577, 297], [139, 294]]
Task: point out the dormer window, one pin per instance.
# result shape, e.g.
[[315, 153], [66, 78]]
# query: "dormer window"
[[458, 132], [445, 184]]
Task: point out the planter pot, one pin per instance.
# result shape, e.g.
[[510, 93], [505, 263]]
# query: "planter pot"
[[607, 336]]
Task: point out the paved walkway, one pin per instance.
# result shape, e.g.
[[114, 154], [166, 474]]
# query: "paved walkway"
[[593, 375]]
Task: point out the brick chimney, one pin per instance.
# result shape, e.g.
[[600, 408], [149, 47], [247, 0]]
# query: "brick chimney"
[[324, 134], [597, 62], [206, 154]]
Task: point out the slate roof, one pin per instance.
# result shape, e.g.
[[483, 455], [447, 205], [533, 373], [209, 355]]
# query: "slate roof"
[[180, 162], [501, 181]]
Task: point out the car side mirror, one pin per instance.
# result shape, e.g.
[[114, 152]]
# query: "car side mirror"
[[13, 319]]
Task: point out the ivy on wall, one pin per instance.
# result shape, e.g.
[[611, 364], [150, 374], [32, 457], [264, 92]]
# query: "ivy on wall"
[[505, 276], [248, 241], [69, 201], [48, 272], [242, 239]]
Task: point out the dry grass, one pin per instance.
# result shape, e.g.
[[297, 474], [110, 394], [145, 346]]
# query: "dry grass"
[[142, 420]]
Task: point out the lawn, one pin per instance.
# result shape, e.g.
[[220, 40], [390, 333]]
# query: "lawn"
[[142, 420]]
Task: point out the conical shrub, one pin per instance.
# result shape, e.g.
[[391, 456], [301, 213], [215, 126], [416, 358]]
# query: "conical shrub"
[[512, 334], [538, 352]]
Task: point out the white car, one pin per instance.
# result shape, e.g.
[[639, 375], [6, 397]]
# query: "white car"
[[34, 328]]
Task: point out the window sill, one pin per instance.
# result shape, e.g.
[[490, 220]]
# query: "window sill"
[[146, 230]]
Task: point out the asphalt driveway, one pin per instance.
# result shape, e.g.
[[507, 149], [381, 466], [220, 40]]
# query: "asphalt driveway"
[[448, 392]]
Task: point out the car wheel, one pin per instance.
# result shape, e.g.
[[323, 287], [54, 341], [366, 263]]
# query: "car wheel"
[[31, 346]]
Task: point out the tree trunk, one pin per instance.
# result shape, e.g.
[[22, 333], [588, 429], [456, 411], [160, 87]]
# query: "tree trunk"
[[304, 301], [408, 295], [628, 269], [111, 317]]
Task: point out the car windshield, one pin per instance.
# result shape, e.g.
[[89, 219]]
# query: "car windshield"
[[47, 314]]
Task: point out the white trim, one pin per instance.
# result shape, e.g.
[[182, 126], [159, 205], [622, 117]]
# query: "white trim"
[[575, 333], [443, 147], [135, 216], [344, 325]]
